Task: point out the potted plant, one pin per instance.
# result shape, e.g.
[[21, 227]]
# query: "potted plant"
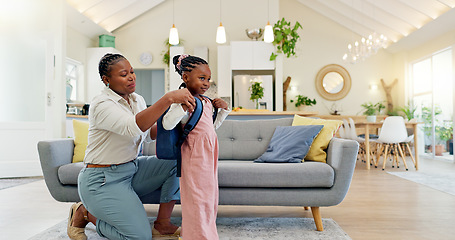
[[443, 135], [409, 111], [166, 53], [286, 37], [257, 92], [372, 109], [427, 120], [301, 101]]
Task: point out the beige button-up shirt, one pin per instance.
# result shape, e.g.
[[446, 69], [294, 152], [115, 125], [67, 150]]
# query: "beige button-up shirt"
[[114, 136]]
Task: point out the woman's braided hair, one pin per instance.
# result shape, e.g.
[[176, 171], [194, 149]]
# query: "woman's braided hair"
[[104, 67], [186, 63]]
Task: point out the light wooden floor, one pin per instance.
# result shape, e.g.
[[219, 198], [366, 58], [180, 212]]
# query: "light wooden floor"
[[377, 206]]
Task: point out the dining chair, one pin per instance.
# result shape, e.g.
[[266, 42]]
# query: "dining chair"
[[342, 132], [393, 132], [346, 129], [361, 141], [407, 148]]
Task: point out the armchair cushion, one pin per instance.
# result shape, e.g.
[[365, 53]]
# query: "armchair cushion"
[[80, 129]]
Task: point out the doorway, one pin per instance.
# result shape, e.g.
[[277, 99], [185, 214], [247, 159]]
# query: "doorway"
[[150, 84]]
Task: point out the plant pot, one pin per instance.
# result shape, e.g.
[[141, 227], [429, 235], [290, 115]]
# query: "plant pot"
[[439, 149], [301, 108], [371, 118]]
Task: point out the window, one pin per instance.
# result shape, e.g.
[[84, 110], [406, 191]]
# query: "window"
[[72, 78], [432, 95]]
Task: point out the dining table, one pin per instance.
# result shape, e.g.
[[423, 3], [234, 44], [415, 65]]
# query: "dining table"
[[369, 126]]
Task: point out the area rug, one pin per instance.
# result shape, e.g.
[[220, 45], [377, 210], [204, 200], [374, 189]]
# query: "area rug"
[[237, 229], [439, 181], [13, 182]]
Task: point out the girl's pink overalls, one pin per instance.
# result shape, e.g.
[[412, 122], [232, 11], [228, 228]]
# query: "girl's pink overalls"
[[199, 181]]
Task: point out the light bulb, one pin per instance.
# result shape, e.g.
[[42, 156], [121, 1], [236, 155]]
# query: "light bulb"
[[220, 34], [173, 35], [268, 33], [345, 56]]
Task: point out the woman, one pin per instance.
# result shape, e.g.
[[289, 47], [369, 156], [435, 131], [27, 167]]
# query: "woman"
[[114, 178]]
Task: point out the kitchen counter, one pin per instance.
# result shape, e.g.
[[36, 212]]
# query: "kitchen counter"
[[266, 112], [251, 114], [76, 116]]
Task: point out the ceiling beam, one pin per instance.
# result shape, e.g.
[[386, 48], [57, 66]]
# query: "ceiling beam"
[[430, 8], [366, 15], [402, 11], [83, 5], [107, 9], [122, 17], [336, 17], [449, 3]]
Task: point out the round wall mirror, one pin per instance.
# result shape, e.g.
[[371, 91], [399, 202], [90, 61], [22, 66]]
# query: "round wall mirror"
[[333, 82]]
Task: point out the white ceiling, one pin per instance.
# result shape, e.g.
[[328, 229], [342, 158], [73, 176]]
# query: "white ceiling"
[[396, 19]]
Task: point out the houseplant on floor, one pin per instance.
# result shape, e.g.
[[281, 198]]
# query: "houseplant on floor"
[[443, 135], [372, 109], [302, 101]]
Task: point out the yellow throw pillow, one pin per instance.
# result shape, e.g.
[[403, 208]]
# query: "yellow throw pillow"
[[320, 143], [80, 129]]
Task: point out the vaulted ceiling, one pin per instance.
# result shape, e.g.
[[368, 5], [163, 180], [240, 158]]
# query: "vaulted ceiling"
[[396, 19]]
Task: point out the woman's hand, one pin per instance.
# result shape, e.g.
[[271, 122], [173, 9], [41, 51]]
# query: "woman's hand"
[[184, 97], [220, 103]]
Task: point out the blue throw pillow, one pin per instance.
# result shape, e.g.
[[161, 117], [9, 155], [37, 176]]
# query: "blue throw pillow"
[[290, 144]]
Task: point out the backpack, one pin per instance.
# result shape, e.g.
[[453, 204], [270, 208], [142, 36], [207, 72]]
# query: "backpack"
[[169, 142]]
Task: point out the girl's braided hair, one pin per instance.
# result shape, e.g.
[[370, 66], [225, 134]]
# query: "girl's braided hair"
[[104, 67], [186, 63]]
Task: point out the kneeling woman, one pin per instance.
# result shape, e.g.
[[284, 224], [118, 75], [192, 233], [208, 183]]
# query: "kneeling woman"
[[115, 178]]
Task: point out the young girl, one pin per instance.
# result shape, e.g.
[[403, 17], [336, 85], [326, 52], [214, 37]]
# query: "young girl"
[[199, 181]]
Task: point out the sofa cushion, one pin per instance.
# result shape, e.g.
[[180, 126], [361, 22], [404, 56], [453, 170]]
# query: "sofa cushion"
[[290, 144], [320, 143], [246, 139], [232, 173], [68, 173]]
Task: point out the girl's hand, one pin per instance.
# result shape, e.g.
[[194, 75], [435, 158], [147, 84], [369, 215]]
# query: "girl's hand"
[[184, 97], [220, 103]]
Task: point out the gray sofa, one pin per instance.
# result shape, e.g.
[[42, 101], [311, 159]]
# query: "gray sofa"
[[241, 182]]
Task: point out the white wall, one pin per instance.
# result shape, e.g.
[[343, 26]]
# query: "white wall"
[[322, 42], [77, 43], [196, 21], [33, 48]]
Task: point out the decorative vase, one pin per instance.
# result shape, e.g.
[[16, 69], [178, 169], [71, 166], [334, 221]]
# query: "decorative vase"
[[371, 118], [301, 108], [256, 102]]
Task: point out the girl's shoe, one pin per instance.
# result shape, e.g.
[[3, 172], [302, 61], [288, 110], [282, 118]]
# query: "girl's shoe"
[[156, 233], [75, 233]]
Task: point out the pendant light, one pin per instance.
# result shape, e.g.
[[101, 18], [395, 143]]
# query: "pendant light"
[[220, 31], [268, 30], [173, 33]]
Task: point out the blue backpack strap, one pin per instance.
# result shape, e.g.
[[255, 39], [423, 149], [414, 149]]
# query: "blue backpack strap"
[[215, 110], [192, 122]]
